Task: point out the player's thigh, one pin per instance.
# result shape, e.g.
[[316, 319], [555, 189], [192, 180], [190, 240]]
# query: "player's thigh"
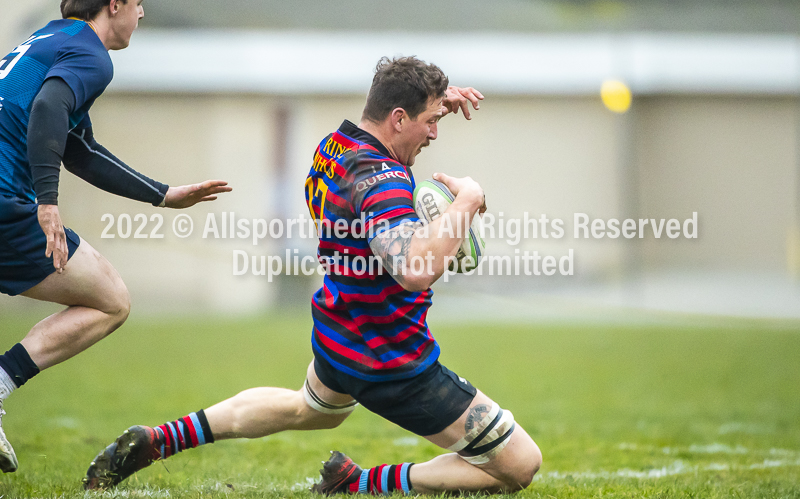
[[324, 402], [88, 280]]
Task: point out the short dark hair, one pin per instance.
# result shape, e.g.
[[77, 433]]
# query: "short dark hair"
[[404, 82], [85, 10]]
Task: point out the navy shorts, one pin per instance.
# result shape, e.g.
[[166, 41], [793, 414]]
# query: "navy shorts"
[[22, 246], [425, 404]]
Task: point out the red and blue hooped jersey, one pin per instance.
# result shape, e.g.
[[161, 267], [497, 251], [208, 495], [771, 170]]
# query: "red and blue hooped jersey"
[[365, 323], [68, 49]]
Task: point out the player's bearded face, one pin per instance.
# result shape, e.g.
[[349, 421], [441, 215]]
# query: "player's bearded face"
[[419, 133]]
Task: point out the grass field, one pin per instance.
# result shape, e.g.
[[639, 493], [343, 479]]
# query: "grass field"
[[709, 410]]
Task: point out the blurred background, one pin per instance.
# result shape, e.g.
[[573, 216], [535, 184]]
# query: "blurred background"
[[244, 90]]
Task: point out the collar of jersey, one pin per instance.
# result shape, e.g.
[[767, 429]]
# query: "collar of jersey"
[[81, 20], [352, 131]]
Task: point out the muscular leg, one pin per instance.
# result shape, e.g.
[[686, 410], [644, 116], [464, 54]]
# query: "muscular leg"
[[97, 304], [509, 471], [259, 412], [252, 413]]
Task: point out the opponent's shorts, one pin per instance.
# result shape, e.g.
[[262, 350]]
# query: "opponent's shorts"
[[22, 246], [425, 404]]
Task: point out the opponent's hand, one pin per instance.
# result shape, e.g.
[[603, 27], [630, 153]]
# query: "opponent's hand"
[[464, 187], [189, 195], [456, 98], [50, 222]]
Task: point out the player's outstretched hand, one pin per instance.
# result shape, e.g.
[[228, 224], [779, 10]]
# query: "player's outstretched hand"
[[50, 221], [189, 195], [456, 98], [464, 186]]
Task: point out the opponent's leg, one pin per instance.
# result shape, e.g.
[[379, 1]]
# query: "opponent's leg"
[[97, 304], [253, 413]]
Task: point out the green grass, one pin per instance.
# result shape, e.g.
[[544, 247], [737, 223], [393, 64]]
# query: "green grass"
[[711, 410]]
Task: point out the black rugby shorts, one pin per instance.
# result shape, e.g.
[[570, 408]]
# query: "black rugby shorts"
[[425, 404]]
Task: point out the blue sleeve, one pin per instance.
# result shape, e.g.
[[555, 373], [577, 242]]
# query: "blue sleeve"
[[85, 68]]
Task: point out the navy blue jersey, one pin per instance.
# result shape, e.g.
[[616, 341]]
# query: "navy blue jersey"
[[68, 49]]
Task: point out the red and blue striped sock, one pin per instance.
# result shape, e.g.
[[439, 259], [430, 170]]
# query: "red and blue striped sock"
[[383, 480], [185, 433]]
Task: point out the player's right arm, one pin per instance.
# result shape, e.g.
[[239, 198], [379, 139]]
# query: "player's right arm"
[[47, 135], [401, 246], [51, 142]]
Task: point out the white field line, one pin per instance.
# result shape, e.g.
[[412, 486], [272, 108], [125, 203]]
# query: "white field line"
[[780, 458], [676, 468], [746, 428], [714, 448]]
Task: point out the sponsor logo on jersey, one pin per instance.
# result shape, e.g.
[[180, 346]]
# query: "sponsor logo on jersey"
[[364, 184]]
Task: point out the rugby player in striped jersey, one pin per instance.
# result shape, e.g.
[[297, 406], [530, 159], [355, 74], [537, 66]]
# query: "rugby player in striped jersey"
[[370, 339]]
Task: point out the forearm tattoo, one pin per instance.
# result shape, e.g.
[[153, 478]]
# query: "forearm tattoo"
[[392, 247]]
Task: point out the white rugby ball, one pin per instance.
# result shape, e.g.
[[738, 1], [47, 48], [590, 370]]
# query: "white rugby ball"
[[431, 199]]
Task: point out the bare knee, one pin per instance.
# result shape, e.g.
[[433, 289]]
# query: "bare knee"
[[528, 468], [119, 307], [110, 294], [520, 476]]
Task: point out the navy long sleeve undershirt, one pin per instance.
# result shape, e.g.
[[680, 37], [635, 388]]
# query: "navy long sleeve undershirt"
[[50, 142]]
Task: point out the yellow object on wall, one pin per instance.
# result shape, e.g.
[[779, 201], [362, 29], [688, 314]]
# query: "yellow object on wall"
[[616, 96]]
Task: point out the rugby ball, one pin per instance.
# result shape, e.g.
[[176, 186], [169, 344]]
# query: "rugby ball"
[[431, 199]]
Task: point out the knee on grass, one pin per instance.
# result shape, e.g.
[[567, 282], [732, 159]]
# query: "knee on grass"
[[520, 476]]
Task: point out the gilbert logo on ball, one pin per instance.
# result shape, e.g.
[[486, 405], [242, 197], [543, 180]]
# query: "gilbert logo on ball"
[[616, 96], [431, 199]]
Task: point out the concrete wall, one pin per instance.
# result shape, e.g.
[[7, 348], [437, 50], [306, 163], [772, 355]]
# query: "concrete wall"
[[20, 19], [733, 160]]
